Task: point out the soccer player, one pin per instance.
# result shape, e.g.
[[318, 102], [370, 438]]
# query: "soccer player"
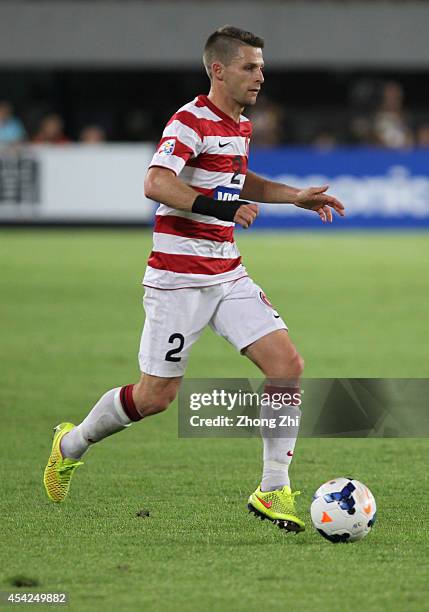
[[194, 275]]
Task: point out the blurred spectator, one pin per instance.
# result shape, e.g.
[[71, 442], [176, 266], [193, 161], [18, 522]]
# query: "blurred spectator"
[[11, 129], [51, 131], [325, 140], [361, 130], [363, 99], [422, 136], [390, 124], [267, 122], [92, 134]]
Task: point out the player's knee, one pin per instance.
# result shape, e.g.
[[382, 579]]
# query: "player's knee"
[[289, 367], [296, 366]]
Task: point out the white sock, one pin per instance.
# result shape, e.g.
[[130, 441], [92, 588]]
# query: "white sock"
[[278, 452], [106, 418]]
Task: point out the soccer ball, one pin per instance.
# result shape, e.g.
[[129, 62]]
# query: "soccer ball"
[[343, 510]]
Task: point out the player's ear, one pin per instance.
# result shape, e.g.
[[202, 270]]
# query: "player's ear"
[[217, 71]]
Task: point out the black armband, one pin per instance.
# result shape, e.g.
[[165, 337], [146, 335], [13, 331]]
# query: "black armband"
[[225, 211]]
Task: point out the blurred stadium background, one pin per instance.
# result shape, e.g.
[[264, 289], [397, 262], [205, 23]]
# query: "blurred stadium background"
[[345, 84], [85, 89]]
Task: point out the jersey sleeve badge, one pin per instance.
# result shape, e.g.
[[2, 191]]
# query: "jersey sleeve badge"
[[167, 147]]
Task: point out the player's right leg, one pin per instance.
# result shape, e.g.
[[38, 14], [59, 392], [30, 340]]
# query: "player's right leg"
[[115, 410], [174, 321]]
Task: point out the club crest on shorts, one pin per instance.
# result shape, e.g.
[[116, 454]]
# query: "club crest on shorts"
[[167, 147], [267, 302], [265, 299]]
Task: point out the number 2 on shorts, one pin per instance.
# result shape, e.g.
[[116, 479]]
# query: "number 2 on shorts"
[[171, 355]]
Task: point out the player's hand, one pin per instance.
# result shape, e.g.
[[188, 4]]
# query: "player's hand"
[[315, 198], [246, 214]]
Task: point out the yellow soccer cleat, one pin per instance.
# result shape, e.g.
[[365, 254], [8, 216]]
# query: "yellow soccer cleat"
[[277, 506], [59, 469]]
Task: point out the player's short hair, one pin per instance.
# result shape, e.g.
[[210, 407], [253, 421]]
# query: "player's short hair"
[[222, 45]]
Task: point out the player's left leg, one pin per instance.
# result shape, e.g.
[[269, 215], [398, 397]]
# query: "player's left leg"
[[276, 356], [262, 336]]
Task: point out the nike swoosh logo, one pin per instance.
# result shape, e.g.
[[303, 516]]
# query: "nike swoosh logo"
[[52, 464], [276, 316], [224, 144], [264, 503]]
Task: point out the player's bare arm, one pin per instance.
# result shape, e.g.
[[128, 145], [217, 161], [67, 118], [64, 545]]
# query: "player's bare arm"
[[258, 189], [162, 185]]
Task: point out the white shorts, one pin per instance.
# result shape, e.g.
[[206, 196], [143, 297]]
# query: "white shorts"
[[237, 310]]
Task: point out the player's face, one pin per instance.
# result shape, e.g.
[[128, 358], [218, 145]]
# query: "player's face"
[[243, 77]]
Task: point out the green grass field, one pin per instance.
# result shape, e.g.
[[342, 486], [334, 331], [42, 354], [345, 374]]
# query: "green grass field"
[[71, 318]]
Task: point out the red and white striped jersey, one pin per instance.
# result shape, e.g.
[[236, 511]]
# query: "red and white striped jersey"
[[210, 152]]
